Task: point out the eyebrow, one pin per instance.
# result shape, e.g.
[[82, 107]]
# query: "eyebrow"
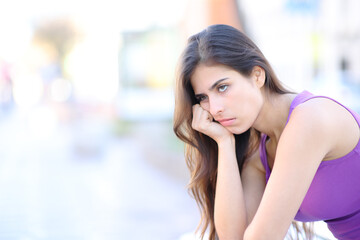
[[217, 83], [212, 87]]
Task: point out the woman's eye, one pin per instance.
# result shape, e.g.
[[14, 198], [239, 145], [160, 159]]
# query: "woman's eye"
[[222, 88], [201, 98]]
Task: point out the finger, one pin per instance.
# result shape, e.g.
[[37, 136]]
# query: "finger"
[[196, 108], [198, 117], [210, 117], [196, 111], [206, 116], [201, 120]]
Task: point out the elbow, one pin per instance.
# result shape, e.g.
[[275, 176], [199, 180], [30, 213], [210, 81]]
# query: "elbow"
[[246, 236], [232, 232], [251, 234], [230, 235], [230, 238]]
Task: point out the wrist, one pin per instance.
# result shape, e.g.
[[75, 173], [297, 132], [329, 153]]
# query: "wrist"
[[226, 141]]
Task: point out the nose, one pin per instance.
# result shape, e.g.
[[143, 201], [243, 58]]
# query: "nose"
[[215, 107]]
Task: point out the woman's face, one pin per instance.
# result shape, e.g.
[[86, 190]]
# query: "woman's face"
[[233, 100]]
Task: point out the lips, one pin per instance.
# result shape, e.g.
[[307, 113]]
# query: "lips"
[[226, 122]]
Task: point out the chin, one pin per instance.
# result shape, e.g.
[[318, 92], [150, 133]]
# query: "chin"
[[234, 131], [238, 131]]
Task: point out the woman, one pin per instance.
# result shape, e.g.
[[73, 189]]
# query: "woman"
[[260, 155]]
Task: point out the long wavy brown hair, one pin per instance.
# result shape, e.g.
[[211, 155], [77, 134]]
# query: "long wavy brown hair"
[[217, 44]]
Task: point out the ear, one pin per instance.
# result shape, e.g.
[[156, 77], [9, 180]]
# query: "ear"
[[258, 75]]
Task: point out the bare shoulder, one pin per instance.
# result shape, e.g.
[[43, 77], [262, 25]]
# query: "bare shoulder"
[[320, 115], [326, 120], [324, 109]]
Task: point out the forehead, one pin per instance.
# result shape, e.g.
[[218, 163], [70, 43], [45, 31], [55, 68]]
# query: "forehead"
[[205, 75]]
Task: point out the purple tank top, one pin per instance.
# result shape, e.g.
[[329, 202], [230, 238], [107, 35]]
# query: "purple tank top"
[[334, 194]]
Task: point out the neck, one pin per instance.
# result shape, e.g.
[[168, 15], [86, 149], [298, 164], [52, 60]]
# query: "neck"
[[274, 113]]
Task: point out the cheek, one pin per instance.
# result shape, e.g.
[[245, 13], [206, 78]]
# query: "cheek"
[[256, 108], [249, 105]]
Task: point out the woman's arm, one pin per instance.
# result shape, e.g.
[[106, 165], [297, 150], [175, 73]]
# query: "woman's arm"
[[304, 142], [237, 199], [230, 210]]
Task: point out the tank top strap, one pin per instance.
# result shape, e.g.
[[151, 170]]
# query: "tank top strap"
[[305, 96], [263, 156], [300, 98]]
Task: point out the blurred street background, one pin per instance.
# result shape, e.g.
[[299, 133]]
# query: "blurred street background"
[[87, 149]]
